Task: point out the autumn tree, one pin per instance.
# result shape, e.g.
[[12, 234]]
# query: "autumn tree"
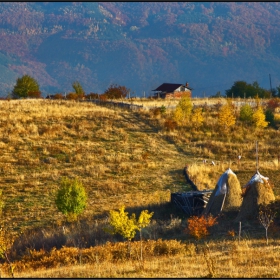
[[198, 226], [92, 95], [71, 198], [116, 92], [34, 94], [72, 96], [183, 110], [226, 117], [266, 217], [121, 223], [6, 243], [273, 103], [143, 221], [259, 118], [197, 117], [24, 86]]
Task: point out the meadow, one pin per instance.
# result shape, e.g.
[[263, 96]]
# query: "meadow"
[[126, 158]]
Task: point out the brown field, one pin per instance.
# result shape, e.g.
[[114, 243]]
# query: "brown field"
[[125, 158]]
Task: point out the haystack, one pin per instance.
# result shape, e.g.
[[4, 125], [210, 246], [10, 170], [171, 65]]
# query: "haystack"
[[226, 195], [257, 191]]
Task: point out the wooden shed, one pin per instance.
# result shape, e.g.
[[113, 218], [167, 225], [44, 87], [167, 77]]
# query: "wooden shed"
[[191, 203]]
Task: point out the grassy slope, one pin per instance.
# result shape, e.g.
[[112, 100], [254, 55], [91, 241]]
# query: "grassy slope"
[[121, 157], [116, 154]]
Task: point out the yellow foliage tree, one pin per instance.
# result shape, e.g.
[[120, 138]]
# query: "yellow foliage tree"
[[127, 226], [259, 118], [183, 110], [197, 117], [143, 221], [122, 224], [226, 116], [6, 242]]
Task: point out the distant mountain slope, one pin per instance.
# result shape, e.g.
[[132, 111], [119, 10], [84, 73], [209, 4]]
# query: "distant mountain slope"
[[139, 44]]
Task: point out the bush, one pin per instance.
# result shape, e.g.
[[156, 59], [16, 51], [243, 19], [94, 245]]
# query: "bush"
[[198, 226], [34, 94], [155, 111], [170, 124], [116, 92], [71, 198], [58, 96], [269, 117], [92, 96], [273, 103], [246, 113], [72, 96]]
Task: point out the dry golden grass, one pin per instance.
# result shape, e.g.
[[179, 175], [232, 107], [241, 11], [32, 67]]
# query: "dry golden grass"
[[111, 152], [150, 103], [219, 259], [121, 158]]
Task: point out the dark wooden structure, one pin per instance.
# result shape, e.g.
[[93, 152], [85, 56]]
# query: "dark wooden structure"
[[191, 203]]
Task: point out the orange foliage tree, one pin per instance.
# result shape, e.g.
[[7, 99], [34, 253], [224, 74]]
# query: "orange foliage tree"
[[116, 92], [34, 94], [198, 226]]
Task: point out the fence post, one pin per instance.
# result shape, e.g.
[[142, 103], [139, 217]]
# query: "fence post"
[[239, 232]]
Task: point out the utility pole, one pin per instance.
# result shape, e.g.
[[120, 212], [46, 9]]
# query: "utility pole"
[[270, 86]]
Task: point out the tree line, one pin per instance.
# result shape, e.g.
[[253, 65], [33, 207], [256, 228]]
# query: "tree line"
[[27, 87], [246, 90]]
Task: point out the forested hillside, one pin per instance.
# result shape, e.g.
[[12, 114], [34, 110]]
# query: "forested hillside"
[[139, 44]]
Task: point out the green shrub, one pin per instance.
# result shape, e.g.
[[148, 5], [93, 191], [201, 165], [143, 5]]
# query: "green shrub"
[[71, 198]]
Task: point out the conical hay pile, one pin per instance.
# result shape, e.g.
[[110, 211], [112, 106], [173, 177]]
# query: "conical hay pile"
[[233, 197], [256, 193]]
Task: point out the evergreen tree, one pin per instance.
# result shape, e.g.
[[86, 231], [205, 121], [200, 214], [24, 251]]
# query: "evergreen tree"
[[269, 117]]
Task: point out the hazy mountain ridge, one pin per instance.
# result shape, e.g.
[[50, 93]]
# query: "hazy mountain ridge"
[[139, 44]]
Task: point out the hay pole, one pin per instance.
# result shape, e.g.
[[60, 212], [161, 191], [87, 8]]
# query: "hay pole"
[[257, 159], [223, 201]]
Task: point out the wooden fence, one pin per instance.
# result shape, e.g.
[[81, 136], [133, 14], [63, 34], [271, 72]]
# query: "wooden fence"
[[113, 104]]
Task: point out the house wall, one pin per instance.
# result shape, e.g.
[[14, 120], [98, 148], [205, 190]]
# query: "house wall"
[[177, 94]]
